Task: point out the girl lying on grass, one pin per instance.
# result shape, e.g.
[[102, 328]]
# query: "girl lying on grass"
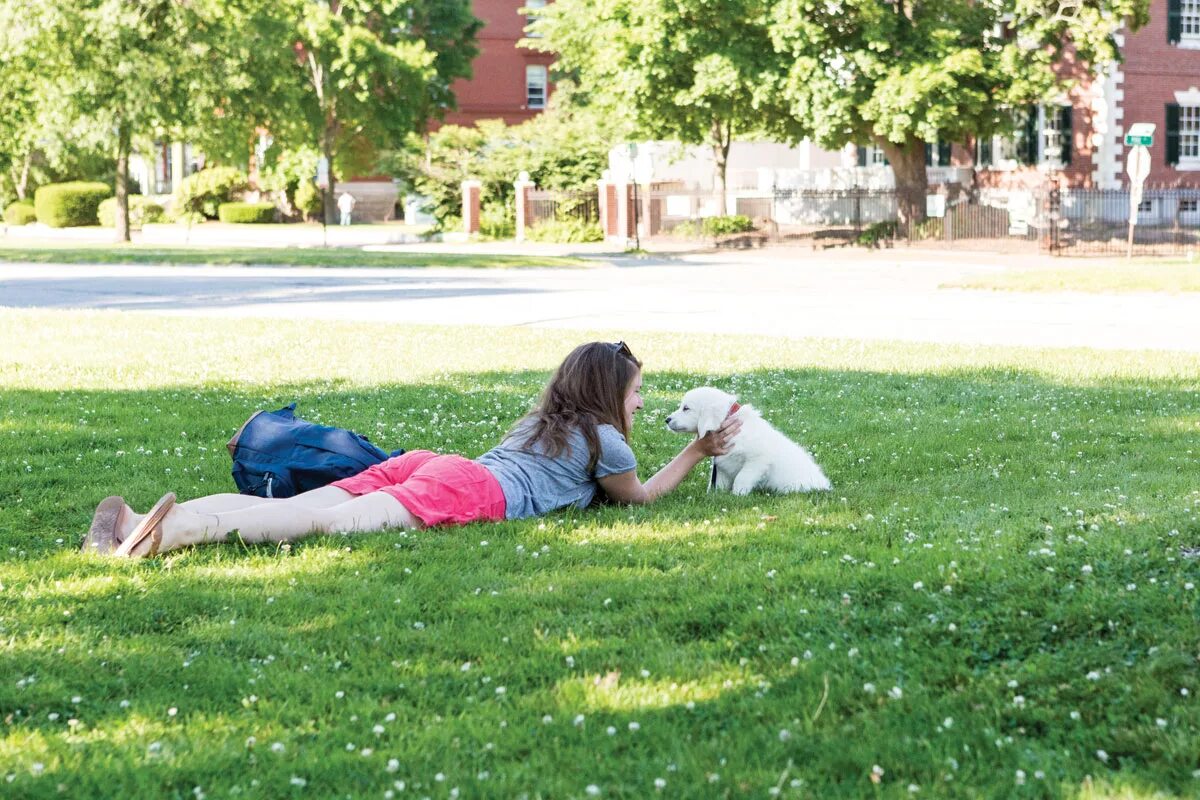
[[574, 442]]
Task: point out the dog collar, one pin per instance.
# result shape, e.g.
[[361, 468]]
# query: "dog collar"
[[733, 409]]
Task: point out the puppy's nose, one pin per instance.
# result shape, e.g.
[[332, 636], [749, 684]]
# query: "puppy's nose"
[[668, 419]]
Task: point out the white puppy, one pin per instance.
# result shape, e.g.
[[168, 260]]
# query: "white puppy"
[[759, 457]]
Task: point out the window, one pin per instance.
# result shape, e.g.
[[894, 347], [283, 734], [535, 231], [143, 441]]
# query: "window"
[[1051, 144], [530, 11], [1189, 133], [1189, 19], [1189, 205], [535, 86]]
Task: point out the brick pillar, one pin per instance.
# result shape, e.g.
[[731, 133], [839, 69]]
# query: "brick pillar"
[[524, 208], [470, 213]]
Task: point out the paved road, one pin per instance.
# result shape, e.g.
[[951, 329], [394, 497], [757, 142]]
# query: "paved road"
[[777, 293]]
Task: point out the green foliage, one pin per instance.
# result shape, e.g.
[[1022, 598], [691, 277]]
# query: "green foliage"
[[20, 212], [497, 221], [142, 210], [246, 212], [733, 223], [564, 148], [200, 194], [62, 205], [712, 227], [876, 233], [570, 230], [284, 170], [307, 199]]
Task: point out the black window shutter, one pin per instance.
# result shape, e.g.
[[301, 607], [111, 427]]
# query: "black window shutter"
[[928, 154], [1029, 154], [1067, 138], [1174, 21], [1173, 134], [862, 156], [943, 154]]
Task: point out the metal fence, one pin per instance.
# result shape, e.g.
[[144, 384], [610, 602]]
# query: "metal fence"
[[1063, 222], [1096, 221], [547, 205]]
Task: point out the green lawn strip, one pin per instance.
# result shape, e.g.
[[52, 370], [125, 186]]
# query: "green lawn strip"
[[993, 602], [1138, 276], [290, 256]]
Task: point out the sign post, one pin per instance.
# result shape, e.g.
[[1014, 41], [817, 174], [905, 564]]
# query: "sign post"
[[1137, 165], [322, 182]]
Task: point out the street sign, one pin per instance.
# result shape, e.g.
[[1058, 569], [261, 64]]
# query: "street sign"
[[323, 172], [1141, 134], [1137, 165]]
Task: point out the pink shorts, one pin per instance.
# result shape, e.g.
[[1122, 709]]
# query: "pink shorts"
[[436, 489]]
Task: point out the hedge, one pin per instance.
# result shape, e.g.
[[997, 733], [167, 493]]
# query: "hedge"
[[20, 212], [246, 212], [141, 211], [199, 195], [62, 205]]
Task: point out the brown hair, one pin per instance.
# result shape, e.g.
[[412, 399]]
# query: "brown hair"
[[587, 390]]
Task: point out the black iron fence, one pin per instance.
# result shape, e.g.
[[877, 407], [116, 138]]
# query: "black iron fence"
[[547, 205], [1096, 221], [1066, 221]]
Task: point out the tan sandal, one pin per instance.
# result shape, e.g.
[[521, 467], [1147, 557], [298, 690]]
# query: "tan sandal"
[[150, 526], [101, 538]]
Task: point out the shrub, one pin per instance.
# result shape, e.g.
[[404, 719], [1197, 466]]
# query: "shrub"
[[200, 194], [877, 232], [63, 205], [142, 210], [497, 221], [570, 230], [20, 212], [688, 229], [733, 223], [307, 199], [246, 212]]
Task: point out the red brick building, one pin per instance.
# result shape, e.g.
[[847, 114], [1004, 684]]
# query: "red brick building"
[[509, 82], [1080, 137]]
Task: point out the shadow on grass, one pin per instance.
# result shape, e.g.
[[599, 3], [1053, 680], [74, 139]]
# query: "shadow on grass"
[[739, 654]]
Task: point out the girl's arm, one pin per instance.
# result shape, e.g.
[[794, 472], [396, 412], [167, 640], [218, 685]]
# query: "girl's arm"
[[625, 487]]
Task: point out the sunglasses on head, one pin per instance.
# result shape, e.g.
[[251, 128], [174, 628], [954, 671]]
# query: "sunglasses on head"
[[623, 349]]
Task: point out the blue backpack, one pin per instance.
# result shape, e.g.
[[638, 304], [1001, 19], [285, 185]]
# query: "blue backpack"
[[277, 455]]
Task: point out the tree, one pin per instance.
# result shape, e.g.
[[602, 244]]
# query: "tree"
[[903, 73], [139, 70], [378, 71], [687, 70]]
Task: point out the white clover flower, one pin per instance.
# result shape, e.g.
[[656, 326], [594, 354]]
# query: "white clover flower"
[[1094, 675], [1075, 715], [393, 765], [1103, 756], [377, 730], [1019, 701], [1160, 722], [592, 790], [610, 730], [298, 781], [277, 747], [1020, 777], [869, 688], [578, 721], [635, 726], [919, 585], [659, 784], [895, 693]]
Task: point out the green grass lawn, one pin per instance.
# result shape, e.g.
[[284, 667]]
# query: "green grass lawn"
[[997, 600], [288, 256], [1082, 275]]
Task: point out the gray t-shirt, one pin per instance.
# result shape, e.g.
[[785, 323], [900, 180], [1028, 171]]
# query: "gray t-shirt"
[[534, 484]]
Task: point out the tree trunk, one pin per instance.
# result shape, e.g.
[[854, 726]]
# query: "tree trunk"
[[329, 204], [123, 137], [720, 141], [912, 184], [22, 183]]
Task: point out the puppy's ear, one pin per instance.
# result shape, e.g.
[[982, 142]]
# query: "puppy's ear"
[[709, 419]]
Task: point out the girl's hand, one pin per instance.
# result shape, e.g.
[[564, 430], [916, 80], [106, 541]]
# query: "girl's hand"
[[718, 442]]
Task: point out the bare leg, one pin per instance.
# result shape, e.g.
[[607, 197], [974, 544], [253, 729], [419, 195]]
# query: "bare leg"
[[286, 521], [324, 497]]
